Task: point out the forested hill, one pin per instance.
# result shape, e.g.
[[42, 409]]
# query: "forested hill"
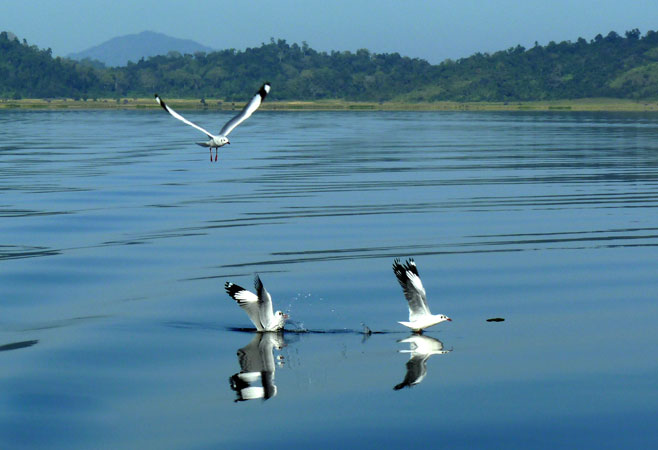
[[611, 66], [26, 71]]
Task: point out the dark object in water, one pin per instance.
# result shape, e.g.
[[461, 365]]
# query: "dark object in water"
[[496, 319]]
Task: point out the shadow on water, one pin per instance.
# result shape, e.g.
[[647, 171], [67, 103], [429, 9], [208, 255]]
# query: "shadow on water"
[[594, 239], [63, 323], [302, 331], [24, 251], [288, 331], [17, 345], [292, 328]]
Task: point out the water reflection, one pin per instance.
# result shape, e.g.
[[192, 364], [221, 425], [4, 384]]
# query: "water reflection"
[[530, 216], [257, 366], [420, 348]]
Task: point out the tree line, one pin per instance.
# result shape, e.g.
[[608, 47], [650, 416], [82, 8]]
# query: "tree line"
[[606, 66]]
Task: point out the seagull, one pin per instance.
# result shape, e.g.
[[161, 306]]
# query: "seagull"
[[257, 363], [420, 316], [221, 139], [257, 306], [420, 348]]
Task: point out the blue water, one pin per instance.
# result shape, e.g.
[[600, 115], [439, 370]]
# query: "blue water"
[[117, 235]]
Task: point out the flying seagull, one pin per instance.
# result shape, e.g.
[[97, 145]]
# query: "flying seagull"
[[420, 349], [420, 316], [257, 365], [221, 139], [257, 306]]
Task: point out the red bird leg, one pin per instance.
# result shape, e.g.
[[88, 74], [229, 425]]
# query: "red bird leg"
[[216, 151]]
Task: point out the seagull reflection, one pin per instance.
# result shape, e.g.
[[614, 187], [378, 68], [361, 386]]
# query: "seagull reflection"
[[421, 348], [257, 367]]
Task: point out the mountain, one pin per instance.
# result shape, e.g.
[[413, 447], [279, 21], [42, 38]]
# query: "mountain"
[[132, 47]]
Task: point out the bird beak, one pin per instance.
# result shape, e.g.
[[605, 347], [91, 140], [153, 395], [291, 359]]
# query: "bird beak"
[[285, 316], [449, 319]]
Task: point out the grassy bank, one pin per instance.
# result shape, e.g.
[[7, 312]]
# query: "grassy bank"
[[595, 104]]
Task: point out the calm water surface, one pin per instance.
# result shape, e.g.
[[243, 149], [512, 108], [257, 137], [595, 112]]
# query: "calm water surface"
[[117, 235]]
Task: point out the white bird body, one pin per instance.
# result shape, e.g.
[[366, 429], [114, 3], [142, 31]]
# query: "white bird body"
[[214, 142], [424, 322], [420, 316], [221, 139], [257, 306]]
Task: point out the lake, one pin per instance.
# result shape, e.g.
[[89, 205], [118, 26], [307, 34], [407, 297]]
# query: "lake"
[[118, 234]]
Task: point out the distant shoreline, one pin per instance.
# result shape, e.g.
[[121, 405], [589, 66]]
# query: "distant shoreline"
[[593, 104]]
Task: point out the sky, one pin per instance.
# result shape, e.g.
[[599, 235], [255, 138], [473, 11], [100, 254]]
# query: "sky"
[[433, 30]]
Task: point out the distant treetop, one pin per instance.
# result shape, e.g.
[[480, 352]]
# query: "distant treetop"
[[611, 66]]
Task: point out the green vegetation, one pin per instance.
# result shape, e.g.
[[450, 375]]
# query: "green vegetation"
[[26, 71], [600, 104], [614, 66], [611, 66]]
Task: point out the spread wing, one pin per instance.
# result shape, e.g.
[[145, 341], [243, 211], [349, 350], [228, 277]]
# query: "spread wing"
[[265, 310], [179, 117], [247, 301], [247, 111], [407, 275]]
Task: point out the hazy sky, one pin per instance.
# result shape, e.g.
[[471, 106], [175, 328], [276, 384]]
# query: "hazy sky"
[[433, 30]]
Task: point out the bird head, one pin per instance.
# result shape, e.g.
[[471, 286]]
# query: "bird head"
[[281, 317]]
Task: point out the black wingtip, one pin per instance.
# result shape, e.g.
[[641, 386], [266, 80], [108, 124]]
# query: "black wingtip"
[[160, 102], [264, 89], [258, 284], [232, 289], [411, 265], [401, 270]]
